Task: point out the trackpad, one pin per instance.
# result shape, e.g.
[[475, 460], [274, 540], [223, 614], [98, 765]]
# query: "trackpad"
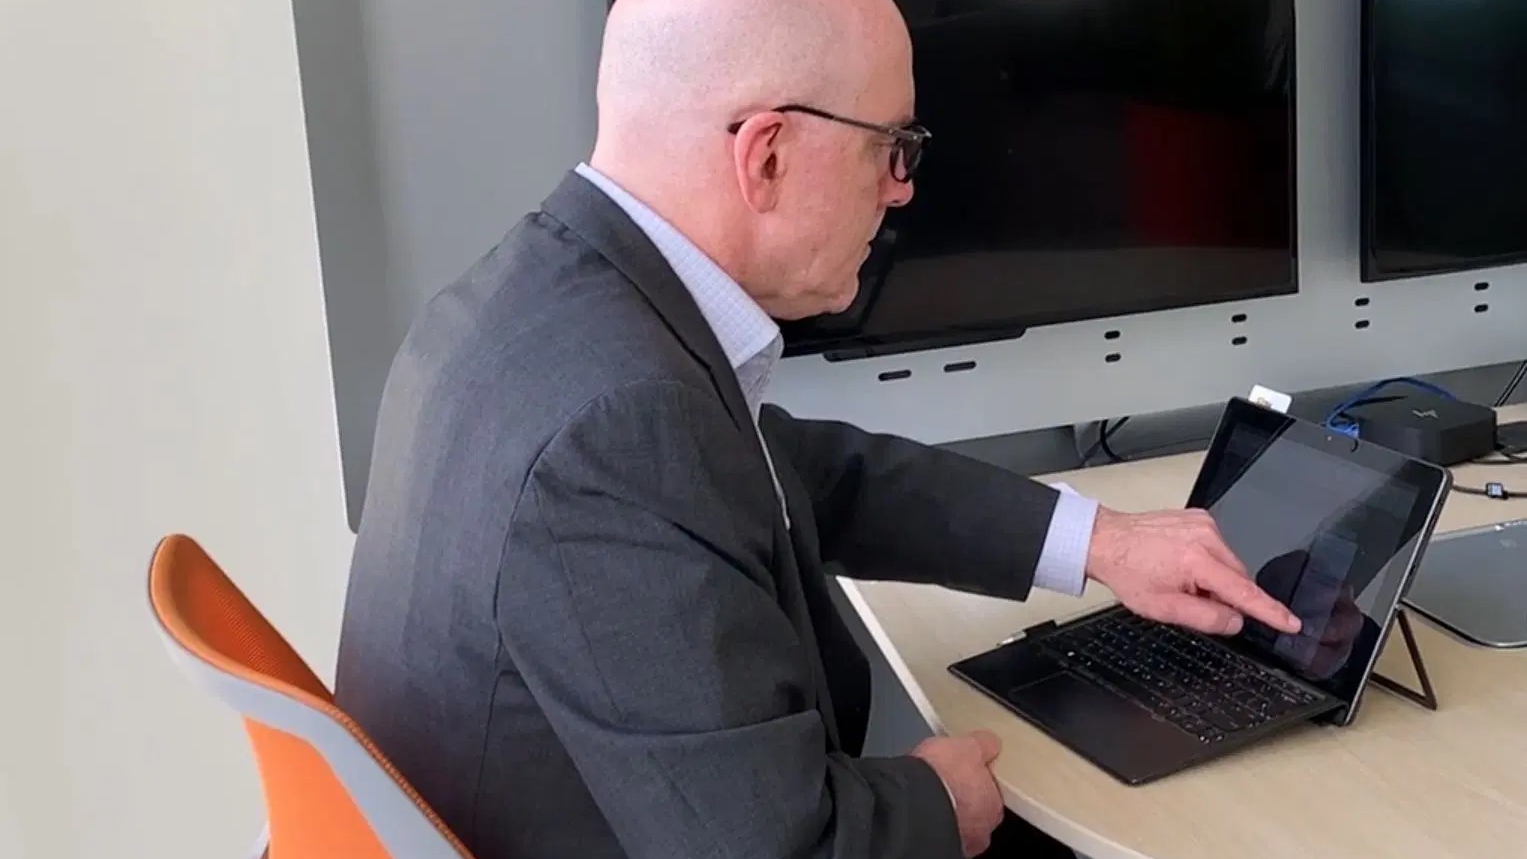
[[1114, 733]]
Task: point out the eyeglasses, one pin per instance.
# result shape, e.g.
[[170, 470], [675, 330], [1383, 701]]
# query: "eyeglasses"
[[906, 140]]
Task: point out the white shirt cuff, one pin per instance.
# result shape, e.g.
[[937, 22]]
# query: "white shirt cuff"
[[1062, 564]]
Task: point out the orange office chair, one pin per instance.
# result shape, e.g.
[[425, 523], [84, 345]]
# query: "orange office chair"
[[328, 791]]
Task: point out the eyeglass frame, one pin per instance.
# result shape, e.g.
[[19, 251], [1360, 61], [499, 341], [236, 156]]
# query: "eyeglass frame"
[[909, 139]]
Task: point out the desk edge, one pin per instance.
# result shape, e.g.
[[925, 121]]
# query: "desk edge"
[[1078, 838]]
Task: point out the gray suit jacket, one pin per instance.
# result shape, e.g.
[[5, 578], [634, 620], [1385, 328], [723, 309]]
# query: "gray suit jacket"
[[576, 621]]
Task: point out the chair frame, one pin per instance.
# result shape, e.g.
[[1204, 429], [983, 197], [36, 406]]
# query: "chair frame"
[[402, 826]]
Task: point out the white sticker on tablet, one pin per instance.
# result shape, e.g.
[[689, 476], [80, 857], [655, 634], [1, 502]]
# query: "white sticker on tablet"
[[1267, 398]]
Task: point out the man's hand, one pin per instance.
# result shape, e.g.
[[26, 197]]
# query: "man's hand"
[[1175, 568], [963, 764]]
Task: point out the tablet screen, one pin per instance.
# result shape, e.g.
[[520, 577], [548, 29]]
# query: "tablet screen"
[[1329, 526]]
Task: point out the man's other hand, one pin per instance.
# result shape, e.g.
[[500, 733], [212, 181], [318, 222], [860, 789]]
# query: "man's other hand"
[[964, 765], [1174, 567]]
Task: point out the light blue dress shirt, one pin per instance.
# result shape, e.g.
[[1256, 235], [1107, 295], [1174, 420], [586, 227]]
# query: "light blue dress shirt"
[[752, 344]]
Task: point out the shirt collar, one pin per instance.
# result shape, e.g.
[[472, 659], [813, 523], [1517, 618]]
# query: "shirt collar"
[[742, 328]]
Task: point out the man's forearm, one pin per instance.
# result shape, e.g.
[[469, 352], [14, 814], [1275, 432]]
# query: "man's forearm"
[[891, 508]]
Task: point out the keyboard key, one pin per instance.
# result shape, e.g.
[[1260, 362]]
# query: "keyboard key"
[[1224, 721]]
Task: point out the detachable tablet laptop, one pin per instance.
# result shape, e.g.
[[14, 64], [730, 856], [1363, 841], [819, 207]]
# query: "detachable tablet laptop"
[[1332, 527]]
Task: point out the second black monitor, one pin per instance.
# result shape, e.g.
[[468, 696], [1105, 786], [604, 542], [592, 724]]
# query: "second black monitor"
[[1444, 136], [1090, 158]]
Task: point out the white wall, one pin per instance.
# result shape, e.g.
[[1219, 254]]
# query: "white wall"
[[166, 369], [433, 128]]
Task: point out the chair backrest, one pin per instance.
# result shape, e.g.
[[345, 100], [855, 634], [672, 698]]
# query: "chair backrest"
[[328, 791]]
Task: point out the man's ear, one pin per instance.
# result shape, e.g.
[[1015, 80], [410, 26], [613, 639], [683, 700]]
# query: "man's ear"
[[760, 155]]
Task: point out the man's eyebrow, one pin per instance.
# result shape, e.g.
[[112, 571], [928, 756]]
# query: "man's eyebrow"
[[904, 119]]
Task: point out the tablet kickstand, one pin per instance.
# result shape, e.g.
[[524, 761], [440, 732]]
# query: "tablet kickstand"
[[1427, 697]]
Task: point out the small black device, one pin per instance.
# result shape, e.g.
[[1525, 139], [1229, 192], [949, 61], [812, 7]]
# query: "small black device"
[[1333, 527], [1426, 426]]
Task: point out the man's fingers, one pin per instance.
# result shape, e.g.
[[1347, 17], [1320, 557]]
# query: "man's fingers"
[[1241, 594], [989, 744], [1221, 552], [1204, 615], [1229, 581]]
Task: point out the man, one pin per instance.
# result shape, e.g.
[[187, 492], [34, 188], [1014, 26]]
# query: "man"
[[588, 613]]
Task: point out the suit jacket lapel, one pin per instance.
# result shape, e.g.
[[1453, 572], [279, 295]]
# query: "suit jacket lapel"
[[596, 218]]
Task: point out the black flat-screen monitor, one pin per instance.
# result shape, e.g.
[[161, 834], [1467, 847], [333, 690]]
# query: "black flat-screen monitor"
[[1090, 158], [1444, 136]]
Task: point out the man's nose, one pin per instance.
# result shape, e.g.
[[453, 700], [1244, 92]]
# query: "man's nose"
[[898, 194]]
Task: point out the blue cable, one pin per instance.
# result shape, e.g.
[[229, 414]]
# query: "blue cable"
[[1337, 420]]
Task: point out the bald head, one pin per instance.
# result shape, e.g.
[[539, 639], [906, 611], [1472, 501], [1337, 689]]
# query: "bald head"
[[679, 67]]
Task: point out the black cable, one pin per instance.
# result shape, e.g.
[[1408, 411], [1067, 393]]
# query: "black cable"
[[1511, 386], [1105, 432], [1192, 443], [1103, 443], [1510, 453], [1491, 490]]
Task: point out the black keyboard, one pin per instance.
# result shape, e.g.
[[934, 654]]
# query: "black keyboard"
[[1202, 687]]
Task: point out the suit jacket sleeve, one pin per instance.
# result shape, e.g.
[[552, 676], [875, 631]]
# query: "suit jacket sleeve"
[[638, 602], [890, 508]]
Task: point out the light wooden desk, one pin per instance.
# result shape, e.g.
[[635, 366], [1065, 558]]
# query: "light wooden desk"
[[1400, 782]]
